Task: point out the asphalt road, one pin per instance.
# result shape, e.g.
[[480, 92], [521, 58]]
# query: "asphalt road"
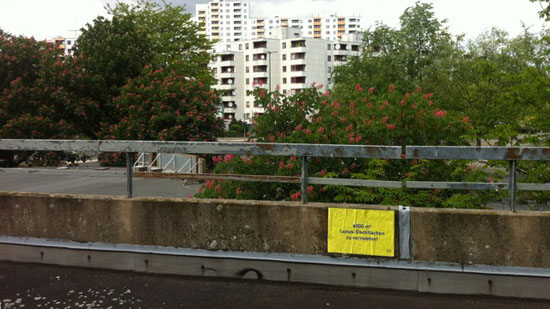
[[38, 183], [40, 286]]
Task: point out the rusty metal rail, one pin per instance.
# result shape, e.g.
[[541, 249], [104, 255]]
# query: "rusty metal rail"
[[304, 151]]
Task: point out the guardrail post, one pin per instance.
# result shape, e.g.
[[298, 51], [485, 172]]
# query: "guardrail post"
[[303, 180], [129, 173], [512, 186]]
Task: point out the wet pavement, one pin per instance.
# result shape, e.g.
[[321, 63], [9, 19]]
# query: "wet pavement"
[[41, 286]]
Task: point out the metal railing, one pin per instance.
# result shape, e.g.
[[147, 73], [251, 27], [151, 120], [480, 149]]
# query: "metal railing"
[[305, 151]]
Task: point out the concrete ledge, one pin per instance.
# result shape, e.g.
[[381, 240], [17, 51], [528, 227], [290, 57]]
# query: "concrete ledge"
[[465, 237], [421, 280]]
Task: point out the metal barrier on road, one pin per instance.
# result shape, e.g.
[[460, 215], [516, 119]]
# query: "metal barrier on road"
[[305, 151]]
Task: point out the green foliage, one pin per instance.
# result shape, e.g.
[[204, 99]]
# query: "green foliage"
[[356, 116], [236, 129], [545, 10], [407, 57], [116, 50], [161, 105], [42, 97]]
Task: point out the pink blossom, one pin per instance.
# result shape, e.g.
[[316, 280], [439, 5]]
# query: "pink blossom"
[[428, 95], [371, 90], [321, 130], [390, 126], [391, 88], [218, 188], [358, 87], [228, 158], [296, 196], [281, 164], [299, 127], [209, 184]]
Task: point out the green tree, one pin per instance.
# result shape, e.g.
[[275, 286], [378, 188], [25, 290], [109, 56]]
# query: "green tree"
[[358, 116], [163, 105], [415, 54], [41, 98], [494, 80], [117, 49], [545, 9]]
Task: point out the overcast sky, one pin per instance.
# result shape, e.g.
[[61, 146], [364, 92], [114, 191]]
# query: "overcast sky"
[[48, 18]]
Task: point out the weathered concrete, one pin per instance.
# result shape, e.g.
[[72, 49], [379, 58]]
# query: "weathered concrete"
[[438, 235], [481, 237]]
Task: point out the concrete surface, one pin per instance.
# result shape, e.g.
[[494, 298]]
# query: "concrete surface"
[[40, 286], [37, 183], [438, 235]]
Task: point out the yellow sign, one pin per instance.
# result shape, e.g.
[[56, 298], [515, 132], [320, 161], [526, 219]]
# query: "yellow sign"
[[358, 231]]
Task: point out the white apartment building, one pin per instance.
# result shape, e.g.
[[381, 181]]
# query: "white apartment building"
[[229, 21], [224, 21], [287, 61], [330, 27], [63, 43]]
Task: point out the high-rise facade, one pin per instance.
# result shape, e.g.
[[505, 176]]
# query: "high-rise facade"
[[288, 62], [224, 21], [229, 21]]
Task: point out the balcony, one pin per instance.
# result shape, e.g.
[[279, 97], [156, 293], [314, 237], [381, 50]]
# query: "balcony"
[[262, 81], [260, 59], [227, 60], [340, 58], [228, 116], [226, 87], [229, 106], [259, 68], [259, 44], [298, 43], [228, 70]]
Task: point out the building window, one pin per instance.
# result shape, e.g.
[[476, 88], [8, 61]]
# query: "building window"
[[240, 46], [284, 68], [247, 69], [248, 58], [328, 46], [247, 103], [284, 56], [284, 44], [328, 59], [284, 80], [246, 46], [248, 81]]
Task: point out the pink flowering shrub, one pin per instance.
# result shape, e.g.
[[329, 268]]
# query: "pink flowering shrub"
[[42, 97], [160, 105], [358, 116]]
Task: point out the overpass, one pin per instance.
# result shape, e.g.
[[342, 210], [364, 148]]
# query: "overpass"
[[500, 253]]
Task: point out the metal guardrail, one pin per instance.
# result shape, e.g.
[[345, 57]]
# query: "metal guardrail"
[[304, 151]]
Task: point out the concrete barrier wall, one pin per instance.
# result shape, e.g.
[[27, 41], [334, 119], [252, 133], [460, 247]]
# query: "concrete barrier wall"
[[437, 235]]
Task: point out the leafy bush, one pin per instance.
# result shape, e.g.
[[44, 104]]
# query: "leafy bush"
[[161, 105], [356, 116]]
